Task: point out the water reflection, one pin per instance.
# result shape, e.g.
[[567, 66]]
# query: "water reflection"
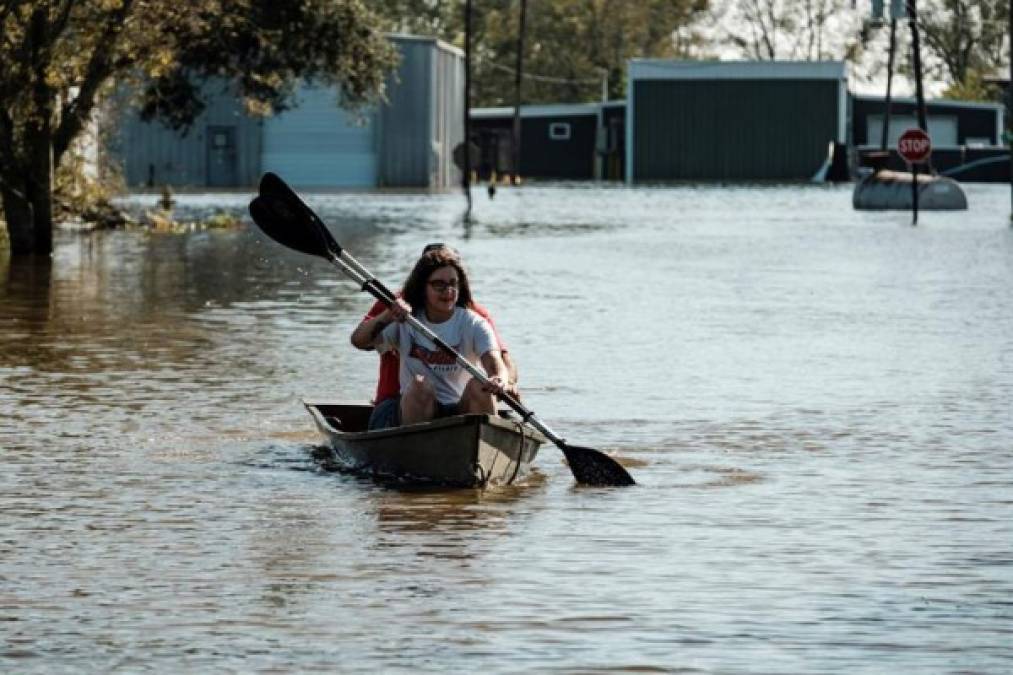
[[432, 510]]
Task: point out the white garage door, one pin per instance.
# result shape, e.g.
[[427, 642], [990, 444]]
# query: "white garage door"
[[942, 129], [318, 144]]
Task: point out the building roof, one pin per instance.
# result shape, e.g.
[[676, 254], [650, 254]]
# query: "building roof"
[[664, 69], [438, 43], [937, 103], [549, 110]]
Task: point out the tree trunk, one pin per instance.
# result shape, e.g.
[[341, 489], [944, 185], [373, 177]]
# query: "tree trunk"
[[40, 194], [27, 188], [39, 137], [20, 225]]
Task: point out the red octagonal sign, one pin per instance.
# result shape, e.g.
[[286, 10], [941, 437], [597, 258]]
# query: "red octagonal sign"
[[914, 146]]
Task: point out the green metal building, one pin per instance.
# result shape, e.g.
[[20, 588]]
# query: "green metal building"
[[731, 120]]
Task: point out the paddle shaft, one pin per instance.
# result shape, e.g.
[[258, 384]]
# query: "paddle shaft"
[[360, 275]]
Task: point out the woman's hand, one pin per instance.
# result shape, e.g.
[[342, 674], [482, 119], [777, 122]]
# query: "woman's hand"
[[512, 390], [496, 385], [499, 385], [365, 334], [399, 310]]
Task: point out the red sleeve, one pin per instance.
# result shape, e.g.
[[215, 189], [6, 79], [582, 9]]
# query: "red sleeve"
[[484, 313], [375, 310]]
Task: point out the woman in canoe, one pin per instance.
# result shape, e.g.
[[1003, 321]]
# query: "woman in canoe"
[[388, 381], [433, 385]]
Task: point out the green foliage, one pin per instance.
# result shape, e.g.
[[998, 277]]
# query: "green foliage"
[[570, 44], [973, 88], [265, 47], [60, 56], [967, 39]]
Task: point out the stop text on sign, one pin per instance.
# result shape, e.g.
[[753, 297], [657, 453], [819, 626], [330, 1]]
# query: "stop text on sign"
[[914, 146]]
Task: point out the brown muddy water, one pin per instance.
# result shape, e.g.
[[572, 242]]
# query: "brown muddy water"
[[815, 401]]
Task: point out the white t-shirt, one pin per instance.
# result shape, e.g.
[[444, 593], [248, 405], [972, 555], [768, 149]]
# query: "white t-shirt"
[[468, 333]]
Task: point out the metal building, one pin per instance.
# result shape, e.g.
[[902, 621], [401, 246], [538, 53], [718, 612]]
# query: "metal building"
[[221, 149], [424, 118], [967, 137], [318, 144], [557, 141], [951, 123], [406, 141], [768, 120]]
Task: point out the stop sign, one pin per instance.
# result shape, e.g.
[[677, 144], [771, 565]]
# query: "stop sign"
[[914, 146]]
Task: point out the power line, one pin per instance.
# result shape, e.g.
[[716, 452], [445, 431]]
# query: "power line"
[[546, 78]]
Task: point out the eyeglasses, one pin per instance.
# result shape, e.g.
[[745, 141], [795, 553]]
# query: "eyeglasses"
[[440, 286]]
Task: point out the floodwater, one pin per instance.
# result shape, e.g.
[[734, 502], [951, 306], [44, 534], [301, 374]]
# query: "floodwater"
[[816, 403]]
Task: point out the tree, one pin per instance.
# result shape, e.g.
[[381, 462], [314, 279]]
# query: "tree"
[[61, 56], [965, 41], [804, 30], [570, 44]]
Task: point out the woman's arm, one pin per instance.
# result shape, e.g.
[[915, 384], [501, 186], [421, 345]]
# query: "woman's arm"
[[510, 366], [499, 375], [366, 333]]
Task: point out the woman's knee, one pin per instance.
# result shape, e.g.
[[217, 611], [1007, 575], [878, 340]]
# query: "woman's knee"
[[418, 400], [476, 400]]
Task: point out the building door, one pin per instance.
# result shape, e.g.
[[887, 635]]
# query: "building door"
[[221, 142]]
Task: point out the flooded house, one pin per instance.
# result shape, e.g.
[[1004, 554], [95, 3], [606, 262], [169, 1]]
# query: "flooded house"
[[404, 142], [685, 120]]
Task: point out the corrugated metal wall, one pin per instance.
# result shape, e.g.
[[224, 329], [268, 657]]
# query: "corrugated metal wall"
[[318, 144], [406, 142], [543, 156], [448, 120], [974, 120], [423, 117], [732, 129], [405, 119], [155, 155]]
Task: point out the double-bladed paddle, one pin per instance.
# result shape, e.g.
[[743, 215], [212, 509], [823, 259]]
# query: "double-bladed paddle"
[[284, 217]]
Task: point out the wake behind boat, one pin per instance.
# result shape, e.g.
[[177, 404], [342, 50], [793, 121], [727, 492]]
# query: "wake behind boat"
[[461, 451]]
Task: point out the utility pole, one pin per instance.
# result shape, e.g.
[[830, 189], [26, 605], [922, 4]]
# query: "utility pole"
[[466, 179], [889, 85], [912, 10], [518, 74]]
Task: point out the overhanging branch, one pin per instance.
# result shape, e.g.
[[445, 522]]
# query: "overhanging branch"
[[100, 67]]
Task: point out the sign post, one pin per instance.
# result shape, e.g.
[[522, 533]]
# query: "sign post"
[[915, 146]]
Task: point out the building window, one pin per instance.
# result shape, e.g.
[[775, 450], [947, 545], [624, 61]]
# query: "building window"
[[559, 131]]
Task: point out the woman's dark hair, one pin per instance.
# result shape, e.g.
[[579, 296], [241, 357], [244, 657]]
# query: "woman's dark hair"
[[414, 290]]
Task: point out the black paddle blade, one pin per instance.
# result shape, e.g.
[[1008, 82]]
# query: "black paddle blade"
[[271, 185], [592, 467], [287, 227]]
